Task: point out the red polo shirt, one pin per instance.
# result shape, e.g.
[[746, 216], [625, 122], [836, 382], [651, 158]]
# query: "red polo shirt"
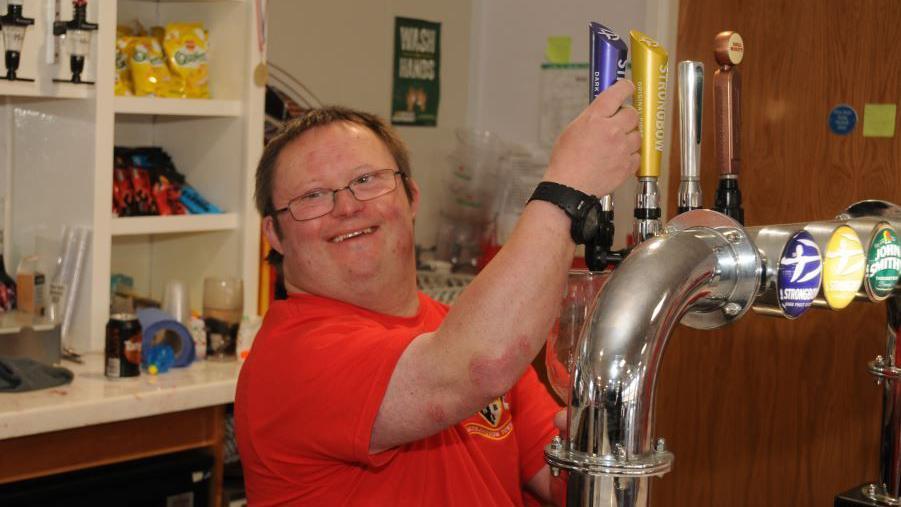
[[308, 396]]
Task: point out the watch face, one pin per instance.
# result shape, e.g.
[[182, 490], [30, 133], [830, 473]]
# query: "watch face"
[[590, 223]]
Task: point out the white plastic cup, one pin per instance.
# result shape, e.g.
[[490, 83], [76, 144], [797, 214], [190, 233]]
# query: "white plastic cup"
[[176, 301]]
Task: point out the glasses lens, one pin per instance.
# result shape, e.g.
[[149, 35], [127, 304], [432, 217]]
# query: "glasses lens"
[[312, 205], [374, 184]]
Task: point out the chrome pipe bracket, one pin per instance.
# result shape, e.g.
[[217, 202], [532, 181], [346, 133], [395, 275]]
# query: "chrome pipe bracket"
[[878, 494], [654, 464], [740, 265], [878, 368]]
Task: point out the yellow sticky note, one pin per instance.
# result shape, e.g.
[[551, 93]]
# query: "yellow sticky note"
[[879, 120], [558, 48]]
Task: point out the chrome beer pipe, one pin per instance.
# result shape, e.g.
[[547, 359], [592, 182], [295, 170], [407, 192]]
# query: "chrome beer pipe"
[[703, 270], [886, 369], [691, 97]]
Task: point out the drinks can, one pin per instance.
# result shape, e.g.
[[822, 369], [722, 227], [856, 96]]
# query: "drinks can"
[[123, 346]]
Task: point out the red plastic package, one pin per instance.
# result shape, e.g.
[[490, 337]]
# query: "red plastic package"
[[123, 194], [140, 182]]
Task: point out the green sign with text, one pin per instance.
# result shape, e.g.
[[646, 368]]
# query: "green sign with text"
[[883, 262], [417, 61]]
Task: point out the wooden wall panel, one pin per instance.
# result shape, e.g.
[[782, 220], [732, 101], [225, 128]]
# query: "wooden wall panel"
[[772, 412]]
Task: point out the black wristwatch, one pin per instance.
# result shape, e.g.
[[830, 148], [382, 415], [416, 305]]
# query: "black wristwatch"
[[582, 208]]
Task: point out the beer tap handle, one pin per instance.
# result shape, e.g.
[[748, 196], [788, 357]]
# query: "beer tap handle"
[[607, 64], [691, 96], [728, 52], [650, 74]]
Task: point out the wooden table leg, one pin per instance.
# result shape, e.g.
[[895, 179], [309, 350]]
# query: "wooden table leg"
[[218, 456]]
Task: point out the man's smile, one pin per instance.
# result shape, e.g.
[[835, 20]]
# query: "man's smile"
[[353, 234]]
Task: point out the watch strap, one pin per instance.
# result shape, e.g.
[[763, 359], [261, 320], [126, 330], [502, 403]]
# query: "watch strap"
[[572, 201]]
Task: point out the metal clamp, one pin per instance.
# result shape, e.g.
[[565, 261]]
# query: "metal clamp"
[[878, 493], [740, 263], [878, 368], [653, 464]]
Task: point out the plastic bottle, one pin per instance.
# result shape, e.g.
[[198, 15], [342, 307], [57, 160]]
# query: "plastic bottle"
[[246, 333]]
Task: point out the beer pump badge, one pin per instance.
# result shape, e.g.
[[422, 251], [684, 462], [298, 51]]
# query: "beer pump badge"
[[844, 266], [800, 274], [883, 262]]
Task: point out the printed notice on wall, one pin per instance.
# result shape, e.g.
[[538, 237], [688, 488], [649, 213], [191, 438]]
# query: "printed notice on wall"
[[417, 59], [879, 120], [564, 94]]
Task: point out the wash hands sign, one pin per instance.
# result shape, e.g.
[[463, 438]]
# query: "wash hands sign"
[[417, 61]]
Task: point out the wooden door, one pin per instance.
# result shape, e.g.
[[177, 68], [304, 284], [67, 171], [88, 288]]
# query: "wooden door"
[[773, 412]]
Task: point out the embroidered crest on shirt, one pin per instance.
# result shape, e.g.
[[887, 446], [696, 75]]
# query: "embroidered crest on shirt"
[[494, 422]]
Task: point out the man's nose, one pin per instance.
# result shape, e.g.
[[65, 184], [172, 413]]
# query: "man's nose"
[[346, 203]]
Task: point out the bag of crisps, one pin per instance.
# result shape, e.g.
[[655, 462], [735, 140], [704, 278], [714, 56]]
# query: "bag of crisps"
[[139, 64], [158, 33], [148, 68], [186, 51], [124, 31], [123, 84], [176, 84]]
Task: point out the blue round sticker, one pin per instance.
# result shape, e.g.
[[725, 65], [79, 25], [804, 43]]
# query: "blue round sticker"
[[800, 274], [842, 119]]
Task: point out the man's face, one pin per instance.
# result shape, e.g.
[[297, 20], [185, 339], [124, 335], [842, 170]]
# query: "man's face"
[[359, 244]]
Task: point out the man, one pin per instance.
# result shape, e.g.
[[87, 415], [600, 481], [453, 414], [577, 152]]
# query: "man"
[[359, 390]]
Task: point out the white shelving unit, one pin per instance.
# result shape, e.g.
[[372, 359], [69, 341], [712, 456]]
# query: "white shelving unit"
[[131, 226], [182, 107], [56, 158]]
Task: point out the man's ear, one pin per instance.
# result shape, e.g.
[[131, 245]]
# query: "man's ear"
[[269, 228], [414, 200]]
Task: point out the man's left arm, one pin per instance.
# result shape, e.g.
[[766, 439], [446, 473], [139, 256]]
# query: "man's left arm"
[[540, 485], [533, 423]]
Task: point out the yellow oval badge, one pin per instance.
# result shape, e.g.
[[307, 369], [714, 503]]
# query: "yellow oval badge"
[[844, 266]]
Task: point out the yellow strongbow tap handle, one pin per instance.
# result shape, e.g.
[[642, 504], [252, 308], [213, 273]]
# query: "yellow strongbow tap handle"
[[649, 73]]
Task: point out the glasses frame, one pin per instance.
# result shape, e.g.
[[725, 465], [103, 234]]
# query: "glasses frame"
[[334, 191]]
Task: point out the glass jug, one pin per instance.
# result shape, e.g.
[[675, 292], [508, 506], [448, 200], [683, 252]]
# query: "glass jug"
[[579, 297]]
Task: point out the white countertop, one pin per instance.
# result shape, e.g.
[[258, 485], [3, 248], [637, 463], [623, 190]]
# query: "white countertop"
[[91, 398]]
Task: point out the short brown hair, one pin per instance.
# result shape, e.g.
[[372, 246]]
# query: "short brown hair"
[[265, 175]]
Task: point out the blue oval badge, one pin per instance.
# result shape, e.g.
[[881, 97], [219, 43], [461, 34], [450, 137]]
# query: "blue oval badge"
[[842, 119], [800, 274]]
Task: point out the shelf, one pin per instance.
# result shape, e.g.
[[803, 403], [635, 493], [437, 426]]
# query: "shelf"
[[131, 226], [49, 90], [216, 142], [176, 107], [193, 1]]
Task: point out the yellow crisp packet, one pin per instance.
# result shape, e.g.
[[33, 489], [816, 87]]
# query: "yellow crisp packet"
[[148, 69], [123, 84], [186, 51], [158, 33], [139, 64], [124, 30], [176, 83]]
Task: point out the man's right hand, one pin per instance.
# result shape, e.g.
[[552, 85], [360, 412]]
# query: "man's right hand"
[[599, 150]]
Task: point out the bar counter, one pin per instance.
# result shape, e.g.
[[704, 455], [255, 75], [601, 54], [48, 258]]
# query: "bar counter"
[[94, 420]]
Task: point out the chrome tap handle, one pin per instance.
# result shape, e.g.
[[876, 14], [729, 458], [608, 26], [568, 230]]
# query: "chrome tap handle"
[[691, 96]]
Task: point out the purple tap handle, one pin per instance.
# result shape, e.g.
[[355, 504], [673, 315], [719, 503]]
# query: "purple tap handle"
[[607, 64], [607, 60]]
